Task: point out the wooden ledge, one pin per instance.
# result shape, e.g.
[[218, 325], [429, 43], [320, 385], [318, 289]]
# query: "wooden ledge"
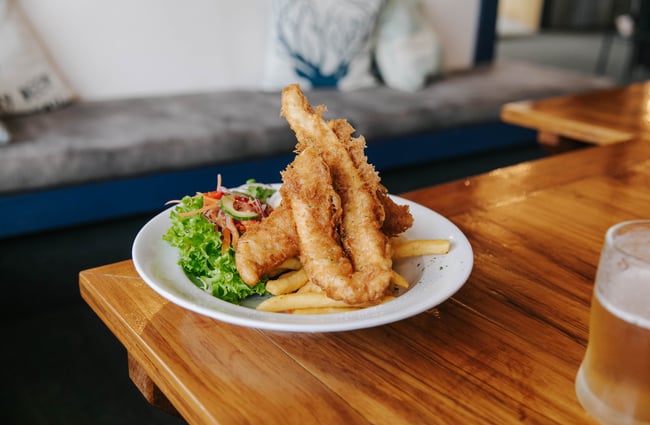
[[553, 127]]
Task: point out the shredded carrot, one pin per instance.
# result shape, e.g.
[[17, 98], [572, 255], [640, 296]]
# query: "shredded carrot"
[[231, 229], [208, 204], [209, 201], [197, 211], [226, 241], [235, 239]]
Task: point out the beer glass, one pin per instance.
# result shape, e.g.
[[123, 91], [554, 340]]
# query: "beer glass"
[[613, 382]]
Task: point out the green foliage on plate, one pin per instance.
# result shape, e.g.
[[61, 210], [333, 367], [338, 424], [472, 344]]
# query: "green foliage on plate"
[[199, 245]]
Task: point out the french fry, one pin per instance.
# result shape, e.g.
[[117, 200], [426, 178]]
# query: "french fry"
[[292, 263], [288, 302], [324, 310], [287, 282], [417, 247], [329, 310], [309, 287], [295, 293], [398, 280]]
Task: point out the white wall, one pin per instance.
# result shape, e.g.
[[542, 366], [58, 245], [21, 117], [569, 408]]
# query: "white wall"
[[457, 24], [120, 48], [125, 48]]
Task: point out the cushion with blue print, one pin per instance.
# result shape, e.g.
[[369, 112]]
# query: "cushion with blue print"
[[321, 44]]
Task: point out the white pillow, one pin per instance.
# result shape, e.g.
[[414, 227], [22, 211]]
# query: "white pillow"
[[407, 50], [28, 81], [321, 44]]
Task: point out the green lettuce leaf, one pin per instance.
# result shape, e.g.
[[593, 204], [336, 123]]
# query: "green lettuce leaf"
[[259, 191], [199, 245]]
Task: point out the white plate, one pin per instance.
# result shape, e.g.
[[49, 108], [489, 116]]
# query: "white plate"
[[433, 280]]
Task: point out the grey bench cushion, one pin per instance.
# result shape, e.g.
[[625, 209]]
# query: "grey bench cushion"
[[95, 141]]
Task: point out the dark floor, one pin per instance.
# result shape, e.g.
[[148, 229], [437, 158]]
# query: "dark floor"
[[60, 364]]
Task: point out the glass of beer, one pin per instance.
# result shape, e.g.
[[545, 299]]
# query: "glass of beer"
[[613, 382]]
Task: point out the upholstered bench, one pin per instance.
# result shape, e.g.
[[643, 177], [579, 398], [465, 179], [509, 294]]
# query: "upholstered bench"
[[98, 160]]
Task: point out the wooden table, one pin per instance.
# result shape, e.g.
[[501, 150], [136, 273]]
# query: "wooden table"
[[504, 349], [600, 117]]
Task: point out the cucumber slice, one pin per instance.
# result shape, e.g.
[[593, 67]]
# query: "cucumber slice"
[[227, 204]]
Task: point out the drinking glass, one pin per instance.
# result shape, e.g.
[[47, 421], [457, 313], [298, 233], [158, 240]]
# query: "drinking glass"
[[613, 382]]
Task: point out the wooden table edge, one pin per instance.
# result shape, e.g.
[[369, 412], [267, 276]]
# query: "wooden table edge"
[[154, 385], [524, 114], [140, 370]]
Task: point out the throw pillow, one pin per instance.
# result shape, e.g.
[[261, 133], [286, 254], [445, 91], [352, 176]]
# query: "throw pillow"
[[408, 50], [28, 81], [321, 44]]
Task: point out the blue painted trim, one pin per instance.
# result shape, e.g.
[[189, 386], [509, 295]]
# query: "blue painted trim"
[[36, 211], [452, 143], [486, 33], [57, 208]]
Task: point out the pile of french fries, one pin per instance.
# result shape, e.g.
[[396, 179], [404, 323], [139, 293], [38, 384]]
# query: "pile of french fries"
[[294, 293]]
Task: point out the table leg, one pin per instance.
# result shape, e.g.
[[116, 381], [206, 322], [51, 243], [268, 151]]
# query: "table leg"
[[148, 388], [554, 143]]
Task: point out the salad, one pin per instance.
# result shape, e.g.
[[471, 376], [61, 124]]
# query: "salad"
[[205, 229]]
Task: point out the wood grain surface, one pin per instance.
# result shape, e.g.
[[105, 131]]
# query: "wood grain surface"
[[504, 349], [599, 117]]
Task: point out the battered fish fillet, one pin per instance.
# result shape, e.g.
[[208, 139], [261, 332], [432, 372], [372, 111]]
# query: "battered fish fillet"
[[362, 214], [266, 245], [397, 218], [316, 207]]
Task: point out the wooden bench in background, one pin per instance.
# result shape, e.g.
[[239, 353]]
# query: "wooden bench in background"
[[598, 117]]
